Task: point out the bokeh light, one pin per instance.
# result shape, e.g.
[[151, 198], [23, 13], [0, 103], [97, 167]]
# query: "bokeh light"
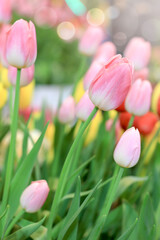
[[66, 31]]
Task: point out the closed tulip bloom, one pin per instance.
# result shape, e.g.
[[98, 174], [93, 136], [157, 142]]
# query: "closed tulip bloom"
[[34, 196], [27, 75], [84, 107], [139, 52], [138, 100], [66, 112], [111, 85], [142, 74], [127, 151], [91, 73], [105, 51], [5, 11], [90, 40], [21, 44]]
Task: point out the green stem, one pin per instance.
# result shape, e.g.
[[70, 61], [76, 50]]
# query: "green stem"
[[10, 100], [64, 174], [15, 219], [131, 122], [55, 163], [107, 204], [11, 154]]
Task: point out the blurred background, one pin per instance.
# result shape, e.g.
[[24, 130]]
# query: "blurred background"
[[63, 26]]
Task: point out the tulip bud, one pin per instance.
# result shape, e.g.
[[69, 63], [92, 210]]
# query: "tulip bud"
[[111, 85], [91, 39], [27, 75], [91, 73], [66, 112], [21, 44], [34, 196], [84, 107], [127, 151], [139, 52], [105, 51], [5, 11], [138, 100], [121, 108]]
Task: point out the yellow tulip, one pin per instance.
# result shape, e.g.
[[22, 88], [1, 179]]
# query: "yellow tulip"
[[79, 91], [3, 95], [155, 96], [4, 77], [26, 94]]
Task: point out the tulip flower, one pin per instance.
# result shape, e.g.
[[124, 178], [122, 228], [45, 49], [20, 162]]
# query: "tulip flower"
[[121, 108], [104, 52], [4, 96], [158, 106], [127, 151], [27, 75], [91, 73], [145, 123], [66, 112], [142, 74], [34, 196], [138, 100], [5, 11], [3, 37], [21, 44], [111, 85], [139, 52], [84, 107], [90, 40]]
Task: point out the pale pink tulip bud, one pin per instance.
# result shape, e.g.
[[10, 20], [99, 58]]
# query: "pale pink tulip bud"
[[91, 73], [91, 39], [104, 52], [3, 37], [111, 85], [138, 51], [84, 107], [66, 112], [138, 100], [34, 196], [27, 75], [21, 45], [127, 151], [5, 11]]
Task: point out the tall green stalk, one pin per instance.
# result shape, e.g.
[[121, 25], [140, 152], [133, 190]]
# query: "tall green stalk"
[[11, 154], [64, 174]]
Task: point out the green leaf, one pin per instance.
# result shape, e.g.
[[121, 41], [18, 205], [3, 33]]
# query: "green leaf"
[[71, 233], [127, 182], [128, 232], [25, 232], [75, 215], [22, 176], [129, 215]]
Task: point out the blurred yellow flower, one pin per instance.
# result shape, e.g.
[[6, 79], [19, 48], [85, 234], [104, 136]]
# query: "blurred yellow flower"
[[3, 95], [155, 96], [4, 77], [92, 130], [26, 94], [79, 91]]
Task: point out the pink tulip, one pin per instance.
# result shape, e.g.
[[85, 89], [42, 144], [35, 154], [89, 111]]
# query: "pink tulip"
[[91, 73], [111, 85], [3, 37], [21, 45], [138, 100], [142, 74], [66, 112], [27, 75], [138, 51], [34, 196], [91, 39], [104, 52], [5, 11], [127, 151], [84, 107]]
